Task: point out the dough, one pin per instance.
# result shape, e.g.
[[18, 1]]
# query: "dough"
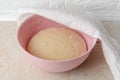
[[57, 44]]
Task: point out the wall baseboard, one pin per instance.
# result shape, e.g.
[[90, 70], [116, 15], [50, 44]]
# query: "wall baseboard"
[[12, 15], [8, 15]]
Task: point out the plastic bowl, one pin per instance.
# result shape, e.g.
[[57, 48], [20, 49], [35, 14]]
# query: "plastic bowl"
[[35, 23]]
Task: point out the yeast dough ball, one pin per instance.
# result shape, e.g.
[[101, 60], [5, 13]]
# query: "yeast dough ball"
[[57, 44]]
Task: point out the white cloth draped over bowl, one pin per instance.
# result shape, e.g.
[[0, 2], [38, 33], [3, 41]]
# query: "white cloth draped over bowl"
[[85, 22]]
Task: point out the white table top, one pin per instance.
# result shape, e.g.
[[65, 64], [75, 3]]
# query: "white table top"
[[15, 66]]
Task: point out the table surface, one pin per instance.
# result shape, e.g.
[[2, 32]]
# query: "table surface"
[[15, 66]]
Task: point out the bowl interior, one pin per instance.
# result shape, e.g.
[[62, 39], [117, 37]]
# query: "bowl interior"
[[36, 23]]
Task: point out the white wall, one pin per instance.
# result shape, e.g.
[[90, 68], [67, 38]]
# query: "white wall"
[[67, 4], [105, 9]]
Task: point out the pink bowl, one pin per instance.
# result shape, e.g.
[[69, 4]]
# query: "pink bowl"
[[35, 23]]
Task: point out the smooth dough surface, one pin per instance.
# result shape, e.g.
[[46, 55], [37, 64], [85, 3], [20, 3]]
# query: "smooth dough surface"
[[57, 44]]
